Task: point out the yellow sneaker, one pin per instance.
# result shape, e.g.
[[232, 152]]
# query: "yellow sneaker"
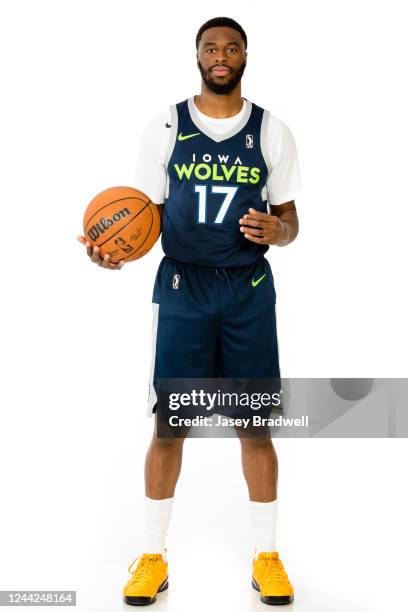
[[149, 578], [269, 577]]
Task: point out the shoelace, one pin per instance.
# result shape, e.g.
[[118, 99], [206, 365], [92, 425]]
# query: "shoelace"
[[142, 572], [275, 570]]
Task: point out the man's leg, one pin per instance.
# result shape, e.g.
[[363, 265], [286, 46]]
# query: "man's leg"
[[163, 466], [184, 337], [248, 349], [162, 469], [260, 468]]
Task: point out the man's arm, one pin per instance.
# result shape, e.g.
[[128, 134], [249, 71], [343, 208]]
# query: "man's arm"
[[288, 216], [278, 228]]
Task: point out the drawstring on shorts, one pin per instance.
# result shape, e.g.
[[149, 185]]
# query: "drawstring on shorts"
[[224, 276]]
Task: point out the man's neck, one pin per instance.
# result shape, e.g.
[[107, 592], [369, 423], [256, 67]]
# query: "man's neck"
[[219, 106]]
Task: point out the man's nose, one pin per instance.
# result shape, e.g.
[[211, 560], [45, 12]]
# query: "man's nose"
[[220, 56]]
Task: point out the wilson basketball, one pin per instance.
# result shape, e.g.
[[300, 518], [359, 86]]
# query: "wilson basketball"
[[122, 222]]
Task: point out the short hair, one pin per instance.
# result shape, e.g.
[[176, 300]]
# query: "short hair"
[[218, 22]]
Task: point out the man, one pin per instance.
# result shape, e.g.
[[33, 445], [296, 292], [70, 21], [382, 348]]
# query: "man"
[[227, 174]]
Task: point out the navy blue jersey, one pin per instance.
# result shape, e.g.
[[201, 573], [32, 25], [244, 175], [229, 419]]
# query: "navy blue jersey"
[[212, 181]]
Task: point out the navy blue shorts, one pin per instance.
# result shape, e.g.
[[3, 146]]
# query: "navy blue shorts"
[[213, 322]]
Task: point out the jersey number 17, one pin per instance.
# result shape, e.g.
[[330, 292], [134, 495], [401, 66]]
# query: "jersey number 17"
[[202, 201]]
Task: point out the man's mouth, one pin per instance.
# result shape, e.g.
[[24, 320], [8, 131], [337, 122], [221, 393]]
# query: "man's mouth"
[[220, 71]]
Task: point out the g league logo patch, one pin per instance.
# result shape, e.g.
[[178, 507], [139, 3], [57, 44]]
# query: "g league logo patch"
[[249, 141], [176, 281]]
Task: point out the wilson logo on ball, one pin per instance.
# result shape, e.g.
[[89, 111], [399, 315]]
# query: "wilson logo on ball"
[[104, 224]]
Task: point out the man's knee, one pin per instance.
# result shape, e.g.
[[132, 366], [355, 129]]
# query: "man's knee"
[[167, 444], [256, 444]]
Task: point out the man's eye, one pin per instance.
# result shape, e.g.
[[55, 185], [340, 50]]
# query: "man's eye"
[[232, 50], [210, 50]]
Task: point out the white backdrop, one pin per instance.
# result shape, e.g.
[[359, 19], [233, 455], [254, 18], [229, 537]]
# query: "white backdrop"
[[79, 81]]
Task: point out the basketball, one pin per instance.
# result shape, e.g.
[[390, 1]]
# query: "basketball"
[[123, 222]]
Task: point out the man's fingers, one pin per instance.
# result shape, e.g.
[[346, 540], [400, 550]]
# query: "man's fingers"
[[252, 232], [256, 239], [95, 254], [261, 228], [86, 242], [117, 266], [105, 261], [253, 222], [260, 215]]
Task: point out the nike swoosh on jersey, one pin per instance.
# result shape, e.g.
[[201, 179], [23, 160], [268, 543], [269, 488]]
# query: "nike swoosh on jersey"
[[181, 137], [256, 282]]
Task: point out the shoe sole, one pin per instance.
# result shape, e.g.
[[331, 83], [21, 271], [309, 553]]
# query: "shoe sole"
[[278, 600], [145, 601]]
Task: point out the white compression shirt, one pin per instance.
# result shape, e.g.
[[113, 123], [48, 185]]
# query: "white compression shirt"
[[283, 183]]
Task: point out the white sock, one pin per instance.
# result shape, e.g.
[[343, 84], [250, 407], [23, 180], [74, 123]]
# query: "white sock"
[[157, 518], [263, 517]]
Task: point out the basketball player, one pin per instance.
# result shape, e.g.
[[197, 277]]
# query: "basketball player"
[[224, 174]]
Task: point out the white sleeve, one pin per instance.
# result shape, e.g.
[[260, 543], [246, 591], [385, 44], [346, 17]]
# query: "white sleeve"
[[151, 175], [283, 183]]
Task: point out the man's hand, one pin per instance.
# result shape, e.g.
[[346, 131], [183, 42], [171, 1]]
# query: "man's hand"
[[279, 229], [93, 253], [263, 228]]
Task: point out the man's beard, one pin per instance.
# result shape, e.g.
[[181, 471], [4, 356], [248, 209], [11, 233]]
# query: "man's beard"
[[222, 88]]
